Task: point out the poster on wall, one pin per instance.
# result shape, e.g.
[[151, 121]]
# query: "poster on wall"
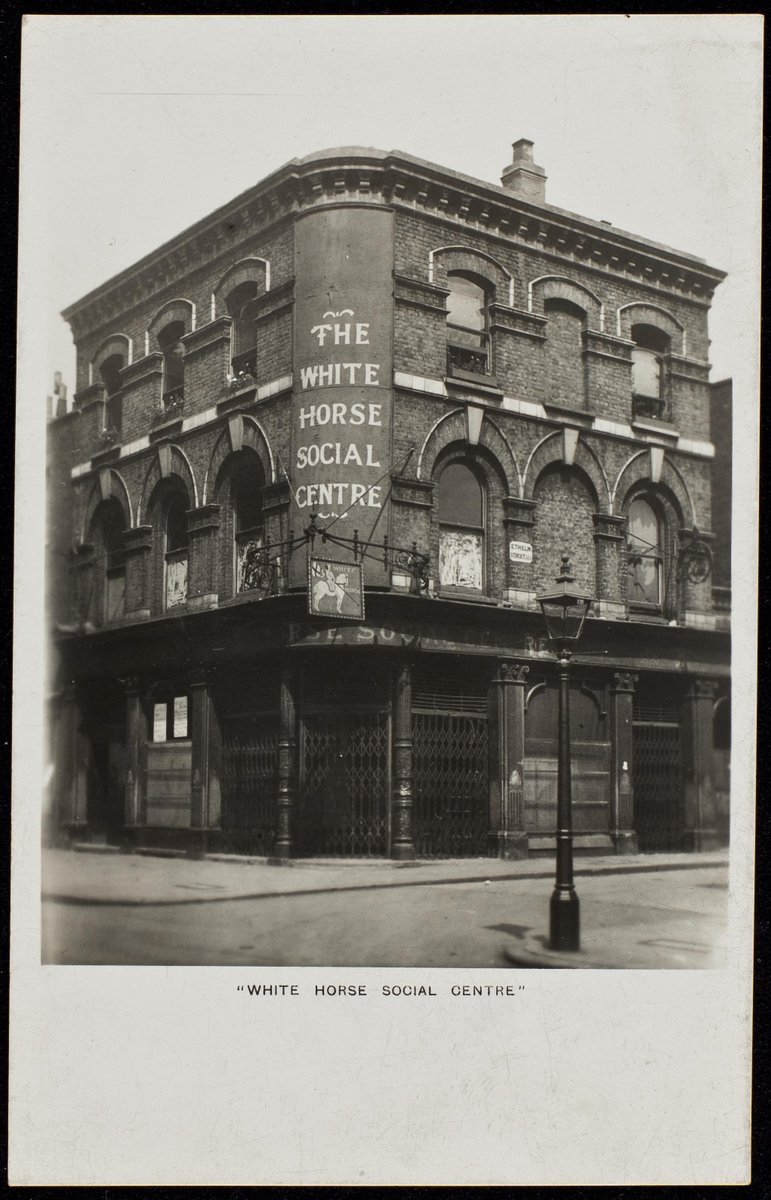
[[335, 589]]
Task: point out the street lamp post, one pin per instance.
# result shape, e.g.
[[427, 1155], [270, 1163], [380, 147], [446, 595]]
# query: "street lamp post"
[[564, 612]]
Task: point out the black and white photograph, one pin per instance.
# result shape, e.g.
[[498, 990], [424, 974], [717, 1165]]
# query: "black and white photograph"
[[387, 468]]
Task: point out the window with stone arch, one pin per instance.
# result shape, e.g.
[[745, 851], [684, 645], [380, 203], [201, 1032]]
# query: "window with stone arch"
[[108, 581], [649, 357], [173, 351], [249, 561], [565, 374], [175, 551], [646, 538], [109, 372], [241, 305], [461, 510], [468, 323]]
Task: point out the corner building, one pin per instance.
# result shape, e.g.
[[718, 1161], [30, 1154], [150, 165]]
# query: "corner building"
[[370, 359]]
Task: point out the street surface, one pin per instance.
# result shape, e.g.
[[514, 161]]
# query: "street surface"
[[642, 912]]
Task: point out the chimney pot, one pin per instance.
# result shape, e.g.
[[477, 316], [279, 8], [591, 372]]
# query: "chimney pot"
[[523, 149]]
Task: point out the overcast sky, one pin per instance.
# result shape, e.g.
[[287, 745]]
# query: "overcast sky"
[[134, 127]]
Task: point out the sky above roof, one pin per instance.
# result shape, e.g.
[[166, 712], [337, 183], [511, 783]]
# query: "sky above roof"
[[135, 127]]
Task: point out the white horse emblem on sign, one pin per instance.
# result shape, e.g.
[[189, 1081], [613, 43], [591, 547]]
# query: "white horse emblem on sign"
[[332, 585], [335, 589]]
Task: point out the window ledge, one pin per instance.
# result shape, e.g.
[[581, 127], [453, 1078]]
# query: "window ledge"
[[564, 412], [488, 382], [237, 398], [655, 425], [465, 597], [166, 429], [106, 455]]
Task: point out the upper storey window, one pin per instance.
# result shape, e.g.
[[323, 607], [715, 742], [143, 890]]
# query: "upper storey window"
[[242, 306], [248, 529], [467, 325], [176, 555], [170, 344], [644, 554], [648, 371], [109, 582], [461, 528], [110, 371]]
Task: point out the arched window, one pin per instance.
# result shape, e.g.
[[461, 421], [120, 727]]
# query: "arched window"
[[242, 306], [248, 532], [461, 509], [648, 370], [645, 553], [170, 344], [176, 552], [108, 601], [110, 371], [467, 325], [564, 353]]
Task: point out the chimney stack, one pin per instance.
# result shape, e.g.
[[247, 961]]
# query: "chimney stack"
[[522, 176], [57, 404]]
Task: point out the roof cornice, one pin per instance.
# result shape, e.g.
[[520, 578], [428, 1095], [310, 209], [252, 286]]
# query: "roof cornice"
[[363, 175]]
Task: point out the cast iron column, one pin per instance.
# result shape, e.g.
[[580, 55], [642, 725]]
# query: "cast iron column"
[[287, 765], [622, 830], [402, 846], [512, 838], [134, 746], [700, 832], [564, 908], [200, 721]]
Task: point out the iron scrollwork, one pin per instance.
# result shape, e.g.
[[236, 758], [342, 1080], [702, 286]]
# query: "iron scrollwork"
[[696, 561], [259, 571], [416, 564]]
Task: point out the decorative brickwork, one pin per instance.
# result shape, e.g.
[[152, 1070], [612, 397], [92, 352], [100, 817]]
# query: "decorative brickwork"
[[559, 451]]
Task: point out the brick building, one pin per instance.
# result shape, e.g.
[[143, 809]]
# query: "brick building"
[[436, 386]]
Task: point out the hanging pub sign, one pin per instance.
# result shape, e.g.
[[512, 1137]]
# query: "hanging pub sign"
[[335, 589]]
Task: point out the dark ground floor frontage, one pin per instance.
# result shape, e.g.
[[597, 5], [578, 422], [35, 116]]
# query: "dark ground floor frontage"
[[232, 732]]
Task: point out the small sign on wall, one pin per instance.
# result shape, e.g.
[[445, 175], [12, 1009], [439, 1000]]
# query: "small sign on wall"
[[335, 589], [520, 552], [180, 716], [159, 722]]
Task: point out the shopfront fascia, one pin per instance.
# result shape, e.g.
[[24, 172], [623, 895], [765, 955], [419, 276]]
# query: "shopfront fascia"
[[426, 730]]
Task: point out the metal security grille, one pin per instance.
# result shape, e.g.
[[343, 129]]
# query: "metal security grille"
[[345, 783], [443, 698], [249, 762], [656, 777], [657, 711], [450, 784]]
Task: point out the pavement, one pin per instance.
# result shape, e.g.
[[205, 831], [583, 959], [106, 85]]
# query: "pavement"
[[637, 911]]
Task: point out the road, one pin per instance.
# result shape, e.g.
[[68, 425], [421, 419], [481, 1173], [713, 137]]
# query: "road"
[[651, 918]]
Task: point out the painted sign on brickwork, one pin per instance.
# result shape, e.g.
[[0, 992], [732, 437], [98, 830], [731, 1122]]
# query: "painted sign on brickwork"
[[341, 427]]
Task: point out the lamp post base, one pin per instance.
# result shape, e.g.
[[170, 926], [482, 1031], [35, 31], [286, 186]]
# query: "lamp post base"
[[564, 920]]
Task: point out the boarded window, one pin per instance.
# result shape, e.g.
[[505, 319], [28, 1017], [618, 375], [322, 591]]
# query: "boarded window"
[[644, 553], [461, 533]]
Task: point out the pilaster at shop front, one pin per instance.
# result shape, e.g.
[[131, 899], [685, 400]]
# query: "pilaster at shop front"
[[427, 730]]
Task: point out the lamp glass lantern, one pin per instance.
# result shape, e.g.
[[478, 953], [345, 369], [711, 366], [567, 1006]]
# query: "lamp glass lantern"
[[565, 608]]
